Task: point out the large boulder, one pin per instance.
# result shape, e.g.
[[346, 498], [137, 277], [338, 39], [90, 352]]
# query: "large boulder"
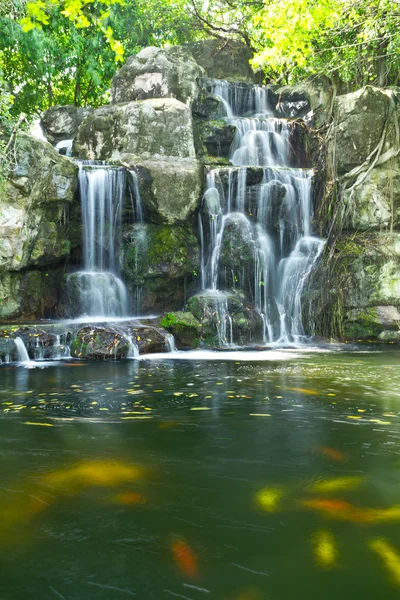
[[36, 206], [356, 292], [160, 260], [157, 73], [375, 203], [358, 124], [170, 188], [156, 127], [60, 123], [223, 59]]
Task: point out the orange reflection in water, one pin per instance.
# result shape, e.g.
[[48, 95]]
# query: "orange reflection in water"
[[185, 558]]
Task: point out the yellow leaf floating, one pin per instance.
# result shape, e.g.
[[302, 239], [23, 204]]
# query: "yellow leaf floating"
[[389, 555], [40, 424], [268, 499], [325, 549], [200, 408]]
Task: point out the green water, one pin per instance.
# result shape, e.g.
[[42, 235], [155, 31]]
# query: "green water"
[[105, 504]]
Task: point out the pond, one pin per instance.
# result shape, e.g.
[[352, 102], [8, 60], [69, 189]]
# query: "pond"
[[227, 476]]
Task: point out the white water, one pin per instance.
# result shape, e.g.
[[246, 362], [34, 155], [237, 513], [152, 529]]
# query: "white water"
[[100, 290], [64, 147], [23, 356], [170, 343], [133, 351], [275, 225]]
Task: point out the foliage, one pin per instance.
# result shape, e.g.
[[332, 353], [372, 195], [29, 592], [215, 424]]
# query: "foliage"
[[60, 61]]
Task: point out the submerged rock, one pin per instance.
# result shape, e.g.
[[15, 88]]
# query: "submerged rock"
[[157, 73]]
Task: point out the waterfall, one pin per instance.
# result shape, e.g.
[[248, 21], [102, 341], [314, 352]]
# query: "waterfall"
[[170, 343], [23, 356], [133, 348], [99, 288], [274, 223]]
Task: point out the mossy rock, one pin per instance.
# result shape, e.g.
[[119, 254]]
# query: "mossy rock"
[[184, 327]]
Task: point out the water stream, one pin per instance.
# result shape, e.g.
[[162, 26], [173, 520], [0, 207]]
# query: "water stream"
[[273, 217]]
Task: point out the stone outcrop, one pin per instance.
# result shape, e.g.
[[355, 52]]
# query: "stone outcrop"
[[170, 188], [60, 123], [162, 262], [355, 291], [39, 225], [150, 128], [223, 59], [157, 73]]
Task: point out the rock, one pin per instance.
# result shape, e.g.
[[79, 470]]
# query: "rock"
[[223, 59], [357, 295], [37, 207], [184, 327], [310, 100], [217, 311], [157, 73], [375, 204], [237, 256], [160, 260], [373, 322], [29, 295], [214, 139], [150, 128], [113, 343], [170, 188], [358, 123], [60, 123]]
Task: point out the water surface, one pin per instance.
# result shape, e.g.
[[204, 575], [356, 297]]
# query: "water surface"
[[200, 478]]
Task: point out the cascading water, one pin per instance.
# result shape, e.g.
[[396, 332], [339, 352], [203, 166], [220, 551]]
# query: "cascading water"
[[23, 356], [100, 290], [274, 223]]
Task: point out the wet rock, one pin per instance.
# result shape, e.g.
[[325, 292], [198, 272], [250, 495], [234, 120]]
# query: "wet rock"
[[150, 128], [224, 317], [60, 123], [161, 261], [114, 343], [157, 73], [214, 139], [184, 327]]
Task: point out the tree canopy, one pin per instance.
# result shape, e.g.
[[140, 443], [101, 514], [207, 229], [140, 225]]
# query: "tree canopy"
[[66, 51]]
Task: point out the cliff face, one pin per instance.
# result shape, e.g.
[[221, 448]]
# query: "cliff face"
[[355, 291], [39, 227], [166, 126]]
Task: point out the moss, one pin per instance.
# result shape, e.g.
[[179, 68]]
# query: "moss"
[[184, 327]]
